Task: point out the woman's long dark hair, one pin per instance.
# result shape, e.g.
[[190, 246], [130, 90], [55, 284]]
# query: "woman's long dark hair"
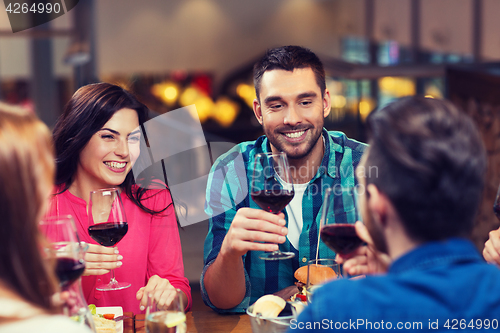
[[87, 112], [26, 178]]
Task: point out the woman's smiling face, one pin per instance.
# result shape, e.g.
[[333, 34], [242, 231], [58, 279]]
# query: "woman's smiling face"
[[111, 152]]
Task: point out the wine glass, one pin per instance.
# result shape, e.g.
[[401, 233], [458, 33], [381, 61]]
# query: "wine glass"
[[496, 204], [65, 248], [272, 189], [107, 226], [337, 220], [168, 318]]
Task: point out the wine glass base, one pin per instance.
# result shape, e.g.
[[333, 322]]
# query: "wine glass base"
[[113, 286], [277, 255]]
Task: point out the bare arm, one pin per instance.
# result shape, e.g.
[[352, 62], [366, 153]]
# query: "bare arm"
[[224, 280]]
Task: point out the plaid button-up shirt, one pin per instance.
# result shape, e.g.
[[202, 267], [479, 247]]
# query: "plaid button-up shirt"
[[228, 191]]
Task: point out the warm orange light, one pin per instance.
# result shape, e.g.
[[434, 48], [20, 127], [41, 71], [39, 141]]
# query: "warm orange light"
[[168, 92], [225, 111], [204, 106], [171, 93], [397, 86], [247, 93], [338, 101], [188, 96], [366, 105]]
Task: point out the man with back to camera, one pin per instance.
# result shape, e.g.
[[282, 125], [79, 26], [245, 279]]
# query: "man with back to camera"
[[423, 177], [292, 102]]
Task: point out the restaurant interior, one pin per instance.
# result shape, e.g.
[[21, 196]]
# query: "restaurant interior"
[[176, 53]]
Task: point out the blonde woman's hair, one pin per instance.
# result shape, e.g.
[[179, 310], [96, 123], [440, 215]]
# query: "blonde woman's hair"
[[26, 179]]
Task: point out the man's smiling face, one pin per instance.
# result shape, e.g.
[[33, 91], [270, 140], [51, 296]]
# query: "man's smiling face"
[[292, 110]]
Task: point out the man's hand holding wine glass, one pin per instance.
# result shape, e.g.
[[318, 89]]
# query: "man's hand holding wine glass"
[[254, 230], [101, 260], [365, 260]]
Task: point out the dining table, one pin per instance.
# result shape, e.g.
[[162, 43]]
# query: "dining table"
[[197, 321]]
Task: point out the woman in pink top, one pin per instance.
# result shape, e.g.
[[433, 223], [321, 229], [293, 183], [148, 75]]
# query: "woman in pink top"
[[97, 141]]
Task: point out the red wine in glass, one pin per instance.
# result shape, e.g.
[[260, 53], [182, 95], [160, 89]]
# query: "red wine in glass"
[[338, 216], [68, 270], [271, 189], [273, 201], [341, 238], [107, 226], [65, 248], [108, 233]]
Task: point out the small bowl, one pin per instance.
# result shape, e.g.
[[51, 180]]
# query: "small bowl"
[[262, 324]]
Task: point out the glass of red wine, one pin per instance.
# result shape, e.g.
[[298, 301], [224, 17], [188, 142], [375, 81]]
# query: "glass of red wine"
[[272, 190], [107, 226], [65, 248], [338, 216], [68, 252]]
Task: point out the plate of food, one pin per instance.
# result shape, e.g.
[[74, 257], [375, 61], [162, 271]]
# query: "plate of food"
[[104, 319]]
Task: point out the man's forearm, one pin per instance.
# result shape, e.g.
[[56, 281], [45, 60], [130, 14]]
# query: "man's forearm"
[[224, 282]]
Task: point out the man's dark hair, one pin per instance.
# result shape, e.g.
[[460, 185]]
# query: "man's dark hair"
[[289, 58], [431, 164]]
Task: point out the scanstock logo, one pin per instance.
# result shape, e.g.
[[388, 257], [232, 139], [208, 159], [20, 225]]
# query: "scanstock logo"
[[26, 14], [180, 156]]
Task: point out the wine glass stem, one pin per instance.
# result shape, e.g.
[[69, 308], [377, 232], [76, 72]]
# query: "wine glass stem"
[[112, 280]]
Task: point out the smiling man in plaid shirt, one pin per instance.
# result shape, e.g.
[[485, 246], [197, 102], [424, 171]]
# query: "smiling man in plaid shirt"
[[292, 102]]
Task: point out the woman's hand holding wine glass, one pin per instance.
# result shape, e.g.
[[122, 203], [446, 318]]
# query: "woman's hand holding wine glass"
[[101, 260], [107, 226]]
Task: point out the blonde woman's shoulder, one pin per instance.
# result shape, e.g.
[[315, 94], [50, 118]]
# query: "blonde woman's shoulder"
[[44, 324]]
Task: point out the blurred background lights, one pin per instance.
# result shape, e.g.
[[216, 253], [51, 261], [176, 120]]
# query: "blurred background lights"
[[189, 96], [397, 86], [204, 106], [171, 93], [338, 101], [225, 111], [247, 93], [433, 92], [366, 105], [167, 92]]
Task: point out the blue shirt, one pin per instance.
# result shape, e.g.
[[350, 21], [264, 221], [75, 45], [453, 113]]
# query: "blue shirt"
[[227, 191], [445, 285]]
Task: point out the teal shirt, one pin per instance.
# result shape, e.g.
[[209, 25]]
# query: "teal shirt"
[[228, 191]]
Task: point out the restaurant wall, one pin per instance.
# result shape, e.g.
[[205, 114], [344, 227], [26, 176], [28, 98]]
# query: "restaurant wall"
[[217, 36]]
